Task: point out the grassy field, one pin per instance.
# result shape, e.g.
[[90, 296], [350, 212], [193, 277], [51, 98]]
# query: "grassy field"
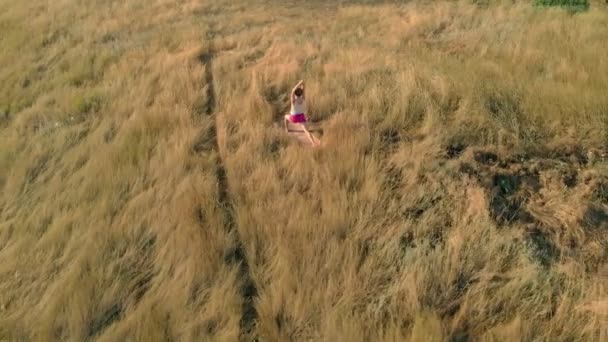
[[148, 192]]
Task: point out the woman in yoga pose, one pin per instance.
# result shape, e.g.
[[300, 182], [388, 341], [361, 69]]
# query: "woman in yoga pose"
[[297, 114]]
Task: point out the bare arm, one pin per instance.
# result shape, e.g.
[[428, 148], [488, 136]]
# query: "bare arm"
[[300, 84]]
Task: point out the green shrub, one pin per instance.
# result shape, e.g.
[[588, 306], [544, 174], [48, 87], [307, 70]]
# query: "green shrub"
[[4, 111], [573, 5]]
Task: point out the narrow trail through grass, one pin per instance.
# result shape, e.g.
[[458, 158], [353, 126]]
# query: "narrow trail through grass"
[[237, 255]]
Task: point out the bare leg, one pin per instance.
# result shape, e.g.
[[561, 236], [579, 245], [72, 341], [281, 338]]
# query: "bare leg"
[[316, 139], [310, 136]]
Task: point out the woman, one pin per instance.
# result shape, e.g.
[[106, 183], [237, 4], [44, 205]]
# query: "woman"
[[298, 110]]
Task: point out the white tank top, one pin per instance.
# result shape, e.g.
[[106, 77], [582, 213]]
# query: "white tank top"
[[298, 108]]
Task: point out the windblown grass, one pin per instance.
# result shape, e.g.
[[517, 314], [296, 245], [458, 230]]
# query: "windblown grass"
[[149, 193]]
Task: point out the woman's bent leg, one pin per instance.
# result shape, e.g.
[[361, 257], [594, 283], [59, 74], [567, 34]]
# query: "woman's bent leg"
[[286, 123]]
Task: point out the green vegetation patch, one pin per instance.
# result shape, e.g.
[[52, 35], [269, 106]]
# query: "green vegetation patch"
[[572, 5]]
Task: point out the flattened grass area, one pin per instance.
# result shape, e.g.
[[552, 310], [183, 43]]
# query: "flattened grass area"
[[149, 192]]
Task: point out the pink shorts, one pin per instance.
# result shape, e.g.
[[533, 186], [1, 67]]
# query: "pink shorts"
[[297, 118]]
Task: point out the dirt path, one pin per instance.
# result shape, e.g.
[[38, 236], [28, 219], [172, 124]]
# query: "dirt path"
[[238, 254]]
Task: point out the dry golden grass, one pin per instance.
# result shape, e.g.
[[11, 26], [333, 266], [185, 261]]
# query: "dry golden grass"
[[149, 193]]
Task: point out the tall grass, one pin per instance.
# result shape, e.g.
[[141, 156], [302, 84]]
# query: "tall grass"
[[460, 192]]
